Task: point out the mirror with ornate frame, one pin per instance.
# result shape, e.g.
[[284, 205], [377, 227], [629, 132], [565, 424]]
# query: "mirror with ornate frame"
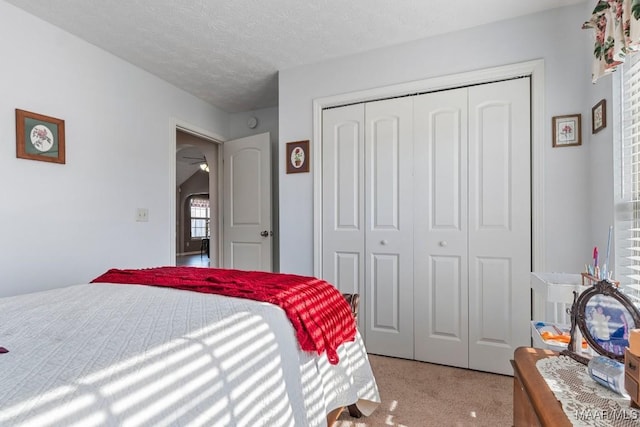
[[604, 316]]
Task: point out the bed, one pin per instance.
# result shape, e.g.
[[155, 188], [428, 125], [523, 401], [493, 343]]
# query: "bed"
[[135, 355]]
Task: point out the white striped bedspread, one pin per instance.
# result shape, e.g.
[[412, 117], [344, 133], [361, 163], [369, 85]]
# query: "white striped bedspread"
[[132, 355]]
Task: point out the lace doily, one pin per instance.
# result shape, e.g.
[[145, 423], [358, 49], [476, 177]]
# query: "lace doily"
[[584, 401]]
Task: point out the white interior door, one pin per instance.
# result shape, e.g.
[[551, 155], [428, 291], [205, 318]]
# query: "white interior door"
[[247, 239], [427, 213], [440, 228], [389, 227], [499, 223], [343, 231]]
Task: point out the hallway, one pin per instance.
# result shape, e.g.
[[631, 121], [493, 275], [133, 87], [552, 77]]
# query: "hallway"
[[195, 260]]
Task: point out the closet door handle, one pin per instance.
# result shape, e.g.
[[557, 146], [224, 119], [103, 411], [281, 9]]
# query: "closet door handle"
[[384, 242], [443, 243]]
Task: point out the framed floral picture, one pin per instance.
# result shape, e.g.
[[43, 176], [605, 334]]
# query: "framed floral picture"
[[39, 137], [599, 116], [567, 130], [297, 156]]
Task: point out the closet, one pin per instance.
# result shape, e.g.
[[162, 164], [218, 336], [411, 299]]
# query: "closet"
[[426, 209]]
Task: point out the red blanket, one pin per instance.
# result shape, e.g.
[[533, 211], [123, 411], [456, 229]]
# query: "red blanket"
[[319, 313]]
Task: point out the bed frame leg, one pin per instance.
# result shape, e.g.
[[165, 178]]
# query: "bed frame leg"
[[354, 411]]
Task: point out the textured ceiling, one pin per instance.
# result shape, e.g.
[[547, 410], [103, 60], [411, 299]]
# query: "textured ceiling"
[[228, 52], [188, 161]]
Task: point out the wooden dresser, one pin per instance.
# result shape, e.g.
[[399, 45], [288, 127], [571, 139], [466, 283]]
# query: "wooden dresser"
[[534, 404]]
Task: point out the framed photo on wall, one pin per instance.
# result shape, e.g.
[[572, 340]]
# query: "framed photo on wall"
[[39, 137], [297, 156], [567, 130], [599, 116]]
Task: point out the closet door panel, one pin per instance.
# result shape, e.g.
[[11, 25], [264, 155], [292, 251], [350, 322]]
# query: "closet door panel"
[[494, 300], [384, 152], [385, 287], [446, 199], [440, 228], [389, 227], [347, 274], [499, 223], [343, 197], [493, 164], [447, 323]]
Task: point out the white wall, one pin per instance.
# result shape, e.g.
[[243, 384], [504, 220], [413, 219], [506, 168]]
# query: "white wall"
[[601, 192], [66, 224], [554, 36]]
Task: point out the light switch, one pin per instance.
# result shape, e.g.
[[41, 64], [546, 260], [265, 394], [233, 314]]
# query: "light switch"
[[142, 215]]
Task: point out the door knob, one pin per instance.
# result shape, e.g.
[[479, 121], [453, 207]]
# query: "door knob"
[[384, 242], [265, 233], [443, 243]]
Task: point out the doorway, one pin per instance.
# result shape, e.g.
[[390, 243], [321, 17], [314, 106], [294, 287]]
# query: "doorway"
[[196, 200], [239, 198]]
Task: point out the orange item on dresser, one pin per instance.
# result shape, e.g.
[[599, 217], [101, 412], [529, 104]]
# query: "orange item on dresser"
[[548, 336]]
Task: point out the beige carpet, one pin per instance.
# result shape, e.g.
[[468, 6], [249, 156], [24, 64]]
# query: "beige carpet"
[[417, 394]]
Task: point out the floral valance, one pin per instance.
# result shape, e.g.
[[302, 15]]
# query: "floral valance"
[[617, 34]]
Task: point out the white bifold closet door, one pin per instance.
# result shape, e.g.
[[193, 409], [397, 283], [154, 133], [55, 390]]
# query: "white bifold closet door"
[[426, 214], [441, 231], [499, 223], [388, 190], [473, 239], [343, 199], [368, 216]]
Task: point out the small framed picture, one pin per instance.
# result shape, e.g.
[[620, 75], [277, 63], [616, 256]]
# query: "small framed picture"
[[599, 116], [297, 156], [39, 137], [567, 130]]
